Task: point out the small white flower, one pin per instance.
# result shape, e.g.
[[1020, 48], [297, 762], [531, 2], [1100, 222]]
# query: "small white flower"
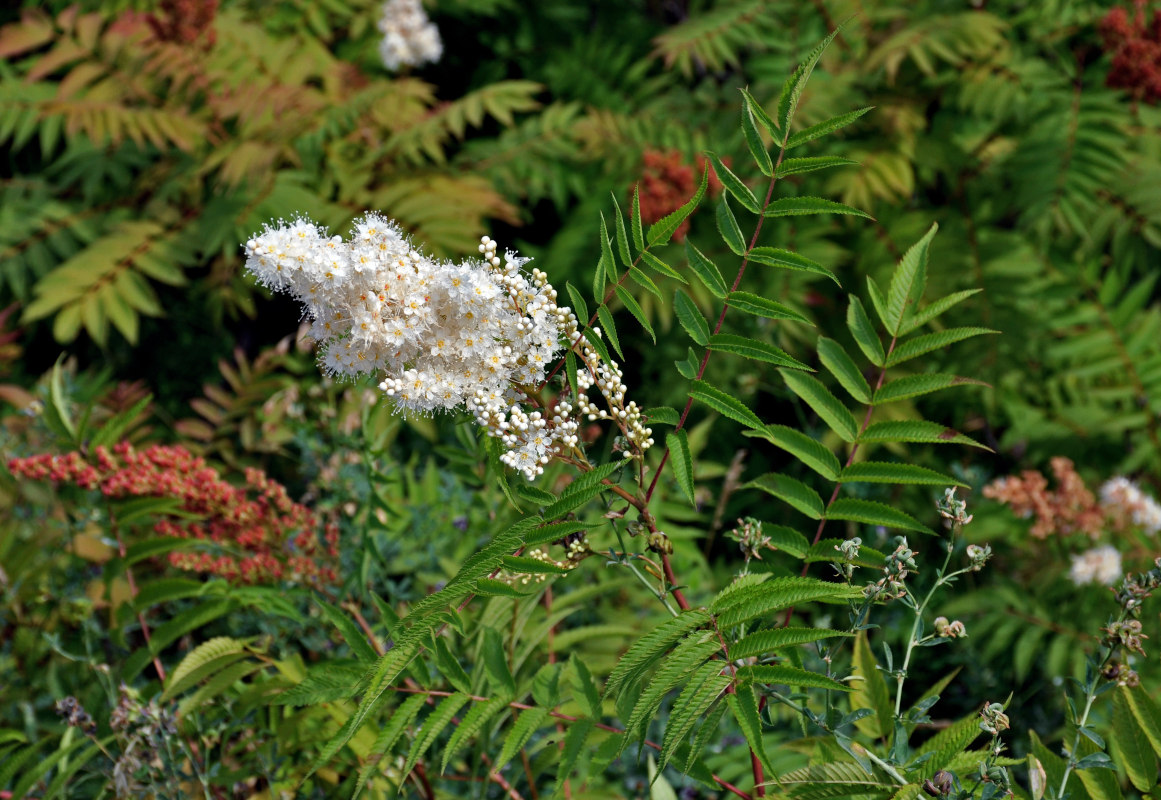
[[409, 37], [1099, 565]]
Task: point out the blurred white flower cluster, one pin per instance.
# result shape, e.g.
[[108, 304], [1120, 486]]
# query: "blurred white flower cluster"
[[1123, 498], [479, 334], [1098, 565], [409, 37]]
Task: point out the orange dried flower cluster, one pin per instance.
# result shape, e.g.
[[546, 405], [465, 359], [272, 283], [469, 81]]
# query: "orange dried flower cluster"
[[1070, 508], [184, 21], [266, 536], [1136, 51], [667, 183]]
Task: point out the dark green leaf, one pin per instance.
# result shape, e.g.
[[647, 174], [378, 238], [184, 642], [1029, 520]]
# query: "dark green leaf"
[[724, 404], [706, 271], [788, 259], [660, 266], [884, 472], [682, 462], [630, 303], [823, 128], [916, 385], [728, 228], [913, 348], [578, 303], [690, 318], [799, 206], [609, 329], [755, 350], [661, 231], [870, 512], [843, 367], [635, 219], [800, 166], [790, 490], [908, 281], [761, 307], [864, 333], [914, 431], [753, 138], [734, 185], [622, 237], [823, 403], [809, 451]]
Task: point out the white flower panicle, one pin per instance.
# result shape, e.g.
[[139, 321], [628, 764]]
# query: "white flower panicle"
[[1100, 565], [1123, 498], [409, 37], [480, 334]]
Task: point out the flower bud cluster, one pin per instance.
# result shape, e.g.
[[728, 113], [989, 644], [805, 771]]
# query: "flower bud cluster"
[[850, 551], [899, 564], [995, 720], [266, 536], [953, 510], [480, 334], [1126, 634], [1123, 675], [1135, 588], [74, 715], [978, 555], [750, 538], [950, 630], [409, 37]]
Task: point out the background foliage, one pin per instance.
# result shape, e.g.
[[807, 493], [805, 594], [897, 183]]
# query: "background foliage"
[[139, 153]]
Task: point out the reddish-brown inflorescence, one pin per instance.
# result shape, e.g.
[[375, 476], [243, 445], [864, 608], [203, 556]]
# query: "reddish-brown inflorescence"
[[667, 183], [184, 21], [1070, 508], [259, 534], [1136, 50]]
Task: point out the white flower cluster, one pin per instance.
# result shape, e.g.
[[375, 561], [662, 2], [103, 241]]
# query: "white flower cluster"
[[409, 37], [480, 334], [1099, 565], [1122, 497]]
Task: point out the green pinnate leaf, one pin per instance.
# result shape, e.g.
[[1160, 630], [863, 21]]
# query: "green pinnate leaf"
[[772, 640], [645, 282], [754, 350], [864, 333], [837, 417], [609, 328], [581, 490], [744, 708], [495, 657], [472, 724], [788, 259], [576, 746], [916, 385], [809, 451], [690, 318], [724, 404], [1147, 714], [759, 114], [844, 369], [823, 128], [584, 687], [678, 445], [871, 691], [790, 676], [728, 228], [657, 265], [662, 231], [935, 309], [801, 166], [635, 219], [877, 301], [734, 185], [622, 237], [578, 302], [1137, 754], [433, 725], [914, 431], [792, 89], [870, 512], [753, 138], [706, 271], [762, 307], [907, 282], [645, 652], [905, 474], [704, 689], [529, 721], [635, 309], [607, 259], [790, 490], [919, 345], [800, 206]]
